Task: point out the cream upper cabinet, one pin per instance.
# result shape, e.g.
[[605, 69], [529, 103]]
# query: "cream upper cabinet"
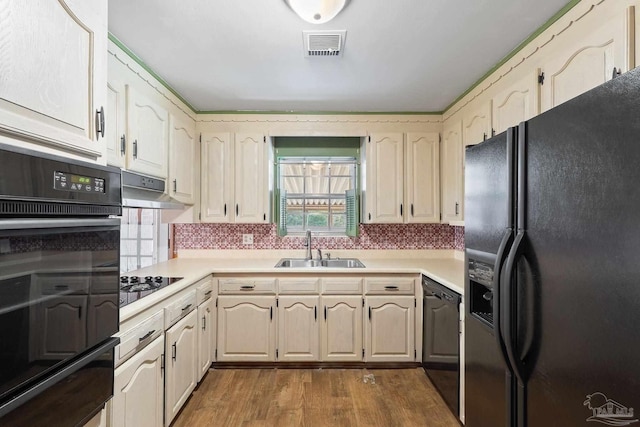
[[298, 328], [54, 58], [138, 398], [422, 177], [246, 328], [216, 183], [251, 181], [584, 58], [384, 196], [234, 181], [451, 172], [516, 103], [342, 328], [148, 132], [476, 125], [115, 125], [183, 162], [181, 364], [390, 329]]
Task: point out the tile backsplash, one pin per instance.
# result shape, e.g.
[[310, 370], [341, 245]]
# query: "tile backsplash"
[[372, 236]]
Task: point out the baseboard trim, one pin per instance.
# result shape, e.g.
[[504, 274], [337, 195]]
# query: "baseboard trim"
[[315, 365]]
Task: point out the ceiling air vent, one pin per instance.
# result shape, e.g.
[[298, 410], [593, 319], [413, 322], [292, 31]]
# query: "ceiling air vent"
[[323, 43]]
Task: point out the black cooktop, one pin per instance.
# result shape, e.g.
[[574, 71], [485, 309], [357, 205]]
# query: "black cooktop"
[[132, 288]]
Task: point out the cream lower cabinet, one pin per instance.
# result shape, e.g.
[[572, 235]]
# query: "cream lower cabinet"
[[246, 328], [342, 328], [181, 358], [390, 329], [298, 328], [138, 389], [206, 328]]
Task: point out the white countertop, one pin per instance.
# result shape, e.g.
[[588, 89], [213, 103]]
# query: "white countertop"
[[447, 270]]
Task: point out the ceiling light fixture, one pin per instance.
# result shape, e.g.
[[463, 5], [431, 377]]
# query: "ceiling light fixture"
[[317, 11]]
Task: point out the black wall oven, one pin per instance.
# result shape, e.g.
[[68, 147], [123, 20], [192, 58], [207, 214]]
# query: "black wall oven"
[[59, 287]]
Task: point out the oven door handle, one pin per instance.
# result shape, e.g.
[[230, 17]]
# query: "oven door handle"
[[65, 372], [29, 224]]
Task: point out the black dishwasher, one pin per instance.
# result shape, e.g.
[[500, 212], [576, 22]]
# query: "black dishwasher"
[[441, 340]]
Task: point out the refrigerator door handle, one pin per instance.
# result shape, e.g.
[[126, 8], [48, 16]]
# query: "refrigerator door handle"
[[507, 239], [506, 296]]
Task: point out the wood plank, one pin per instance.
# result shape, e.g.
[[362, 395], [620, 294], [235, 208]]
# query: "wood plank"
[[315, 397]]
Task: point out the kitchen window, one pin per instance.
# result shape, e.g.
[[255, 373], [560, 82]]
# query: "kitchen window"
[[317, 192], [140, 239]]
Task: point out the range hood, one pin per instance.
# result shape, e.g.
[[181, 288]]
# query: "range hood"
[[140, 191]]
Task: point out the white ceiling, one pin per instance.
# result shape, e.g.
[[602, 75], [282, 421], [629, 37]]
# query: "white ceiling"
[[401, 55]]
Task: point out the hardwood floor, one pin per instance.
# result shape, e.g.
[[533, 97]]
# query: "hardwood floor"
[[315, 397]]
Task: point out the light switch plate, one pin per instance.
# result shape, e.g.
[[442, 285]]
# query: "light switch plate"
[[247, 239]]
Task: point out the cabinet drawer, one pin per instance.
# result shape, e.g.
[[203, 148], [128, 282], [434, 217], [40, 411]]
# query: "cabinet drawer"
[[179, 309], [139, 336], [64, 284], [248, 286], [389, 286], [342, 285], [299, 285], [204, 290]]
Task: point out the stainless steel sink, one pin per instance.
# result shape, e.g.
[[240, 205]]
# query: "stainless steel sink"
[[328, 263]]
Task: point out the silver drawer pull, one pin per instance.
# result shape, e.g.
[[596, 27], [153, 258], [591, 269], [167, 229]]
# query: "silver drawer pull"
[[391, 288], [247, 287], [186, 307], [147, 335], [206, 294]]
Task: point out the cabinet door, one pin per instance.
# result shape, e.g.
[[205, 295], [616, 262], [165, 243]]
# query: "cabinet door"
[[148, 135], [423, 177], [251, 199], [443, 346], [181, 359], [53, 56], [183, 162], [246, 328], [476, 126], [298, 328], [390, 329], [515, 104], [452, 174], [205, 335], [138, 390], [384, 192], [216, 184], [116, 117], [342, 329], [584, 59], [63, 326]]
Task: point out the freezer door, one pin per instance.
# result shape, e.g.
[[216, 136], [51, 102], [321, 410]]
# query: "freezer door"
[[579, 296], [489, 222]]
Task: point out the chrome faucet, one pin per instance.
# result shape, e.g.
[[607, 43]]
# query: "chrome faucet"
[[308, 245], [319, 254]]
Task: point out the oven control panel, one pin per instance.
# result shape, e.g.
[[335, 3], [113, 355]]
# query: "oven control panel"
[[70, 182]]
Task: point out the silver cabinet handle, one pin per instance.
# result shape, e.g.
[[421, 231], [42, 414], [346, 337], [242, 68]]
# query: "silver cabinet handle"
[[145, 336], [391, 288], [457, 208], [175, 185], [247, 287], [123, 144], [100, 123], [135, 149]]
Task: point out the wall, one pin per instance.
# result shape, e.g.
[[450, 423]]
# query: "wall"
[[372, 236]]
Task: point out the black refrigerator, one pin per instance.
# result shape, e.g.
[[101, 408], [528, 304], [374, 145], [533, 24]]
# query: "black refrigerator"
[[552, 236]]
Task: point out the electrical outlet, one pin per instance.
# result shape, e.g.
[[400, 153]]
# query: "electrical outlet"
[[247, 239]]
